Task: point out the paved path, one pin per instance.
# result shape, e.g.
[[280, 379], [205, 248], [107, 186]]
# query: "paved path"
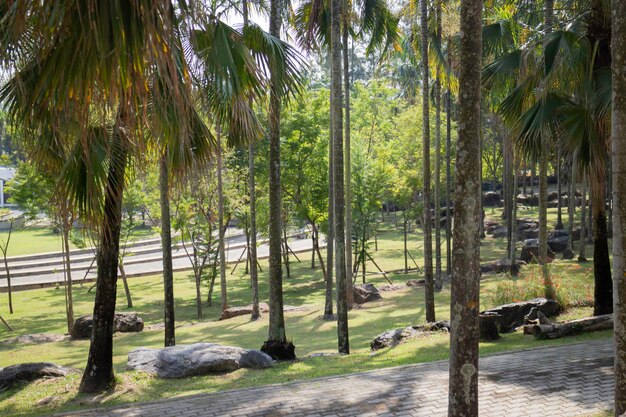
[[574, 380]]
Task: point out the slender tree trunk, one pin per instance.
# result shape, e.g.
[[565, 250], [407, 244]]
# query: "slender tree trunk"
[[276, 332], [559, 214], [338, 176], [220, 219], [252, 254], [69, 307], [5, 249], [464, 304], [429, 288], [98, 374], [571, 203], [603, 289], [330, 237], [510, 189], [129, 299], [618, 140], [448, 183], [406, 260], [550, 291], [166, 245], [198, 275], [438, 277], [347, 147], [513, 216], [583, 221]]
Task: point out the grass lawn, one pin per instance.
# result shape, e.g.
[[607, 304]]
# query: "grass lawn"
[[40, 311], [32, 240]]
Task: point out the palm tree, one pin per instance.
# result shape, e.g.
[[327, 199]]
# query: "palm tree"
[[573, 104], [618, 138], [429, 289], [464, 304], [281, 86]]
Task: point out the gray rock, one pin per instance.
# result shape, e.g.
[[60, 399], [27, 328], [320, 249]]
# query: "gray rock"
[[35, 339], [28, 372], [197, 359], [396, 336], [229, 313], [415, 283], [123, 322], [365, 293], [492, 199], [513, 315]]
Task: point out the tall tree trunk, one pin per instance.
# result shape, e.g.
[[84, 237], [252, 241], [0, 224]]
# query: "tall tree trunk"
[[338, 176], [618, 140], [438, 277], [513, 215], [220, 219], [543, 183], [583, 221], [69, 299], [252, 254], [98, 374], [559, 214], [330, 237], [347, 147], [464, 303], [603, 288], [448, 183], [166, 245], [571, 203], [510, 189], [276, 342], [429, 288]]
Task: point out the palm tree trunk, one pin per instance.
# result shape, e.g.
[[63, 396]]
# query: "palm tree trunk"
[[559, 218], [343, 342], [252, 254], [618, 164], [464, 304], [543, 184], [69, 306], [603, 289], [438, 277], [220, 219], [583, 221], [98, 374], [276, 344], [429, 288], [330, 237], [448, 184], [166, 245], [348, 167]]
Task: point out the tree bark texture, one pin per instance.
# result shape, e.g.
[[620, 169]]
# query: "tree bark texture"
[[618, 141], [166, 245], [448, 183], [603, 284], [98, 374], [338, 172], [276, 331], [429, 288], [464, 304], [220, 219], [347, 147]]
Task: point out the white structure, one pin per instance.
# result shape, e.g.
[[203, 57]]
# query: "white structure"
[[6, 174]]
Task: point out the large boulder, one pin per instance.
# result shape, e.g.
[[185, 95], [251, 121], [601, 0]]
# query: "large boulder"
[[492, 199], [229, 313], [513, 315], [122, 322], [558, 240], [530, 251], [396, 336], [501, 266], [27, 372], [365, 293], [500, 232], [197, 359]]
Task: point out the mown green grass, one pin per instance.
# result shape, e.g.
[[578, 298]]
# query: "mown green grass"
[[42, 311], [32, 240]]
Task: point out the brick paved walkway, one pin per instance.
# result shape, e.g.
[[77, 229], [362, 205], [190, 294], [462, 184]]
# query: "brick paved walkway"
[[558, 381]]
